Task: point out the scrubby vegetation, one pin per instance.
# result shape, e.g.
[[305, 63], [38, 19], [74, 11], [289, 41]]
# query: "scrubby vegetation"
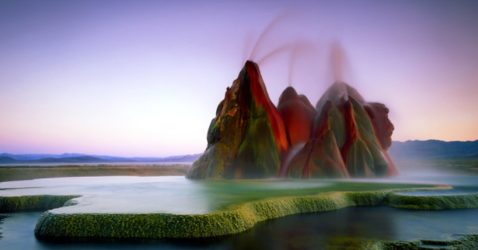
[[12, 173]]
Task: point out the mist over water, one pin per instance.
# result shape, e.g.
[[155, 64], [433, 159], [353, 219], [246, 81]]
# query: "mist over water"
[[425, 168]]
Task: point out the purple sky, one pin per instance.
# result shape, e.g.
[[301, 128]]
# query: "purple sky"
[[143, 78]]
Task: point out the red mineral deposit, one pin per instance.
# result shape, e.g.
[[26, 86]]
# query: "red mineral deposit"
[[343, 136], [298, 115], [247, 138], [346, 140]]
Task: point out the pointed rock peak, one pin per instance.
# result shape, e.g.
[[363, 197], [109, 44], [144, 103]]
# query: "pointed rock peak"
[[337, 93], [288, 94], [250, 69], [250, 79], [251, 138], [250, 63]]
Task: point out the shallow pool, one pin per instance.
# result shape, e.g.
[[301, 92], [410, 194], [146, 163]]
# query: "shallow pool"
[[173, 194], [306, 231], [179, 195]]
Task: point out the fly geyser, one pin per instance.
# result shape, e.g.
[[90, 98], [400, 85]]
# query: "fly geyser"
[[349, 138], [247, 138], [342, 136]]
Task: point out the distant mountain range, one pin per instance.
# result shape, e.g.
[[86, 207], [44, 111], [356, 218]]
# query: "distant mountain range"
[[434, 149], [429, 149], [6, 158]]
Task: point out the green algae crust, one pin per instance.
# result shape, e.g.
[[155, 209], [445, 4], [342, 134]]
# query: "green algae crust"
[[433, 202], [32, 202], [234, 218], [464, 242]]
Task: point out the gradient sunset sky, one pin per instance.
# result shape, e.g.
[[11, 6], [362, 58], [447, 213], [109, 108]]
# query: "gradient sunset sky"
[[143, 78]]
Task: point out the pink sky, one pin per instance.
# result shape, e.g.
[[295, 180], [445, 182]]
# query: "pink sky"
[[143, 78]]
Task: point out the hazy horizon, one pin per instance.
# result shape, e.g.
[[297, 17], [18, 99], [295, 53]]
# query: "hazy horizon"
[[171, 155], [143, 78]]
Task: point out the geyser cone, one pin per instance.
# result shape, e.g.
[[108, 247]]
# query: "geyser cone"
[[247, 138], [297, 114], [337, 93], [345, 141], [321, 154], [383, 128]]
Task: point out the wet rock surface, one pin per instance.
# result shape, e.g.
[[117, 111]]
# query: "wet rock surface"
[[342, 136]]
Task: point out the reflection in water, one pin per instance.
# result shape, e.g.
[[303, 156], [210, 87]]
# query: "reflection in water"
[[314, 231], [1, 220], [175, 194], [172, 194], [379, 223], [309, 231], [335, 229]]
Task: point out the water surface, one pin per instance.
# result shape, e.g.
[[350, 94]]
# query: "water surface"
[[177, 194], [174, 194], [306, 231]]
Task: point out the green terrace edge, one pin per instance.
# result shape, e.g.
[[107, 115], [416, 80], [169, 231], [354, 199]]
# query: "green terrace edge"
[[235, 218]]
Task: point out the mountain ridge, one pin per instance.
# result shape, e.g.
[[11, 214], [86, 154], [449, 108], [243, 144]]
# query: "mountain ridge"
[[431, 148], [7, 158], [434, 149]]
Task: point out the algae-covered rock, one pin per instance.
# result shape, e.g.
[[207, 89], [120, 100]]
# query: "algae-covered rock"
[[349, 138], [247, 138], [321, 155], [343, 136], [243, 214]]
